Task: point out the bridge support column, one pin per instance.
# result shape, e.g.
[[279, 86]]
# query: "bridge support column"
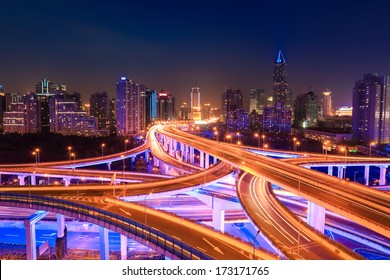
[[215, 160], [330, 170], [29, 224], [316, 216], [104, 252], [123, 247], [218, 218], [146, 155], [192, 155], [382, 175], [201, 159], [21, 180], [60, 225], [109, 165], [367, 174], [340, 172], [207, 161], [171, 153], [156, 161], [182, 147], [67, 182], [132, 165], [33, 180]]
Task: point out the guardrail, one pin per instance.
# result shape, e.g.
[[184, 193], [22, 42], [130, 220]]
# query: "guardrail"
[[160, 239]]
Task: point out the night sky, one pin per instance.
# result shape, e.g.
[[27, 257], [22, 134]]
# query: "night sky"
[[88, 45]]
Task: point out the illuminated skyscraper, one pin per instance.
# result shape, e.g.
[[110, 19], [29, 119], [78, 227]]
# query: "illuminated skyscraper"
[[257, 100], [326, 103], [371, 109], [195, 103], [46, 89], [232, 100], [306, 110], [100, 108], [282, 96], [166, 106]]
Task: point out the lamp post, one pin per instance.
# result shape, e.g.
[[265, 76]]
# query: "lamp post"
[[126, 141], [258, 139], [37, 151], [216, 133], [345, 150], [69, 151], [103, 145], [123, 165], [296, 145], [36, 158], [254, 243], [371, 144], [265, 146], [145, 207], [263, 137]]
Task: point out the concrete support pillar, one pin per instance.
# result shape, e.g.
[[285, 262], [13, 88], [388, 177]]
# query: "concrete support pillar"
[[382, 175], [60, 225], [104, 252], [340, 172], [146, 155], [33, 180], [330, 170], [218, 219], [21, 180], [123, 247], [367, 174], [67, 182], [215, 160], [207, 161], [156, 162], [201, 159], [182, 147], [316, 216], [31, 248], [171, 147], [192, 155], [109, 165], [132, 161]]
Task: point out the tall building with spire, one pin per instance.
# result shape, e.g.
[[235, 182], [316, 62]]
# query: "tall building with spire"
[[282, 96]]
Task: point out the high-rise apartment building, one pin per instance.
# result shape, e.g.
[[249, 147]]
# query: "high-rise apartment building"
[[166, 106], [232, 100], [127, 108], [22, 115], [2, 106], [371, 113], [150, 106], [257, 100], [99, 107]]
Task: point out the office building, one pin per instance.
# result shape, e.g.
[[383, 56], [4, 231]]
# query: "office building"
[[166, 106], [257, 100], [99, 107], [306, 110], [232, 100], [326, 104], [195, 104], [371, 113]]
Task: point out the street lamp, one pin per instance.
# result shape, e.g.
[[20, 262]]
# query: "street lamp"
[[265, 146], [123, 164], [145, 207], [69, 150], [229, 137], [73, 155], [345, 150], [103, 145], [216, 133], [297, 144], [258, 139], [36, 157], [371, 144], [37, 151], [126, 141]]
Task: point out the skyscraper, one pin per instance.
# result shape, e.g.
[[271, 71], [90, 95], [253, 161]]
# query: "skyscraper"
[[306, 110], [257, 100], [100, 109], [282, 96], [195, 103], [166, 106], [371, 109], [46, 89], [128, 106], [2, 106], [326, 103], [150, 106], [232, 100]]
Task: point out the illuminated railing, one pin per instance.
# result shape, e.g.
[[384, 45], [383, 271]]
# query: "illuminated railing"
[[162, 240]]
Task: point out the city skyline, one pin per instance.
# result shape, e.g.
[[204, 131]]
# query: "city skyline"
[[169, 45]]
